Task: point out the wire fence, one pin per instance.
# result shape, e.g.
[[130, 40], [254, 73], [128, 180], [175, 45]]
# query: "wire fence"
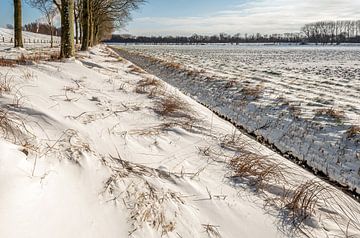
[[30, 40]]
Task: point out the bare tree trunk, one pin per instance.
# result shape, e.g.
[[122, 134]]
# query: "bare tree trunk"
[[76, 27], [51, 36], [18, 24], [91, 24], [85, 25], [67, 29]]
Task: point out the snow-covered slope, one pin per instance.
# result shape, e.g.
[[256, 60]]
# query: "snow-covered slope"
[[28, 37], [304, 101], [96, 147]]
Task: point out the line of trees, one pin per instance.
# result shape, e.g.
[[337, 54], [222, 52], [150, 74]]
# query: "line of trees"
[[85, 21], [42, 28], [203, 39], [332, 31], [324, 32]]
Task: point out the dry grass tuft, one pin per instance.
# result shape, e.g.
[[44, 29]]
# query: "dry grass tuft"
[[230, 84], [337, 114], [146, 202], [212, 230], [11, 126], [7, 62], [257, 170], [173, 65], [300, 203], [151, 86], [353, 131], [136, 69], [37, 57], [233, 142], [172, 106], [253, 91], [5, 84]]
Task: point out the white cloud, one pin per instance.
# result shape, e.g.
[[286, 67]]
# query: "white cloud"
[[265, 16]]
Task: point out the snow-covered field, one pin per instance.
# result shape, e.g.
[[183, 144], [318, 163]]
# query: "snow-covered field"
[[304, 100], [312, 77], [97, 147], [33, 43]]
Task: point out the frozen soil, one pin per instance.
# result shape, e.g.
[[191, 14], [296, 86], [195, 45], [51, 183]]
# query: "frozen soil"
[[97, 147]]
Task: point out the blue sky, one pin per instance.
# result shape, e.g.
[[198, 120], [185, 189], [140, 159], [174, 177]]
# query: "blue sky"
[[6, 12], [185, 17]]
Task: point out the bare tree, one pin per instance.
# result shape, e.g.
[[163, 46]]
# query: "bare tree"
[[48, 8], [101, 17], [85, 25]]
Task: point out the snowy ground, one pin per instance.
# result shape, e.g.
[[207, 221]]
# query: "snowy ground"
[[97, 147], [309, 76], [304, 100], [35, 44]]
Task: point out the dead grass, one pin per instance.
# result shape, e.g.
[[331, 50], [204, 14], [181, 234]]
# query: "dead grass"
[[172, 106], [5, 84], [149, 85], [12, 127], [257, 170], [336, 114], [135, 69], [173, 65], [234, 142], [7, 62], [353, 131], [30, 58], [212, 230], [146, 202], [300, 203], [230, 84], [252, 91]]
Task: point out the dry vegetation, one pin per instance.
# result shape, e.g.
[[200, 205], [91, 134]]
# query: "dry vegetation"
[[171, 106], [30, 58], [353, 131], [257, 170], [300, 203], [146, 202], [336, 114], [7, 62], [5, 84], [12, 127], [150, 86], [212, 230], [135, 69], [296, 202], [252, 91]]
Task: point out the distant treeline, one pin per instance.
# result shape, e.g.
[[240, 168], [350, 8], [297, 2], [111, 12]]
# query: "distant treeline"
[[332, 31], [324, 32], [37, 27], [42, 28]]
